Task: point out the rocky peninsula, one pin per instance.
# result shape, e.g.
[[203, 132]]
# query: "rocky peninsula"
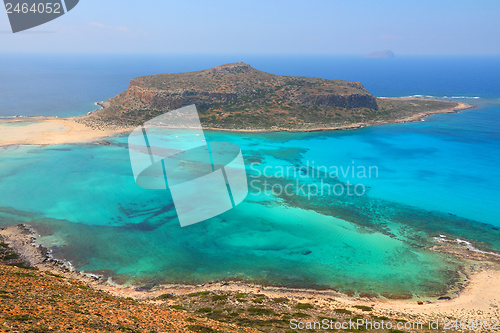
[[238, 97], [231, 97]]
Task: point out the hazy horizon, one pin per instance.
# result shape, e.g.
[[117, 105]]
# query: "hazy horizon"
[[281, 27], [199, 54]]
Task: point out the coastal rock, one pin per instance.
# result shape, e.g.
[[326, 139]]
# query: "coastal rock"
[[236, 96]]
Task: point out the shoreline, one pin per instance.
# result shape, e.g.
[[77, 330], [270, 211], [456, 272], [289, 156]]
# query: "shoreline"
[[54, 130], [416, 117], [45, 131], [477, 293]]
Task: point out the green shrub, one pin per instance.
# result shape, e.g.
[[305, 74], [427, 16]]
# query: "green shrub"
[[304, 306], [280, 300], [219, 297], [380, 318], [23, 317], [204, 310], [10, 256], [165, 296], [177, 307], [364, 308], [199, 293]]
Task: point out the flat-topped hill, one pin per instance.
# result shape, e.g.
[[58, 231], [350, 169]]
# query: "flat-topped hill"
[[238, 97]]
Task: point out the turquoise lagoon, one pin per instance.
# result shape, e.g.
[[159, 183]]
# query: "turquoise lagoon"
[[436, 176]]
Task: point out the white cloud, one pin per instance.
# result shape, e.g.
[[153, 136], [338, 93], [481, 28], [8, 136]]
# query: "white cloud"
[[109, 27]]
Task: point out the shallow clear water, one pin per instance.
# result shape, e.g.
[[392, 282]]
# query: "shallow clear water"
[[85, 196], [436, 176]]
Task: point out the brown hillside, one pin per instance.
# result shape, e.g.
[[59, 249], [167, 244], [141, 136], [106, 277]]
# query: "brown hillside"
[[34, 301]]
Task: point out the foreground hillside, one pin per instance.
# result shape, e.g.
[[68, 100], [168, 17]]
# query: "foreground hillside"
[[51, 298], [239, 97], [34, 301]]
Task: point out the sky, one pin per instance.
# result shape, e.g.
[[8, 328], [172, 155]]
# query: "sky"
[[266, 27]]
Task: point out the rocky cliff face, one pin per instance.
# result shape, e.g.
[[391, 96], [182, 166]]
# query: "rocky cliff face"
[[237, 95]]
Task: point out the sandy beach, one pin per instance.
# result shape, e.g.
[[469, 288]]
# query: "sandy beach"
[[50, 131]]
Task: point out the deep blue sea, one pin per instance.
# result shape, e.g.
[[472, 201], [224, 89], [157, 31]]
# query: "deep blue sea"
[[438, 176]]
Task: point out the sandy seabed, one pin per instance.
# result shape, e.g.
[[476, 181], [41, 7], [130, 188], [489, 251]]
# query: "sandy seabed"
[[480, 299]]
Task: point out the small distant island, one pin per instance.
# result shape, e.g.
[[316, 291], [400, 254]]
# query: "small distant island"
[[381, 54], [238, 97]]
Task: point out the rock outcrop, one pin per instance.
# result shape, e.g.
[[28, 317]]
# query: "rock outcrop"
[[238, 96]]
